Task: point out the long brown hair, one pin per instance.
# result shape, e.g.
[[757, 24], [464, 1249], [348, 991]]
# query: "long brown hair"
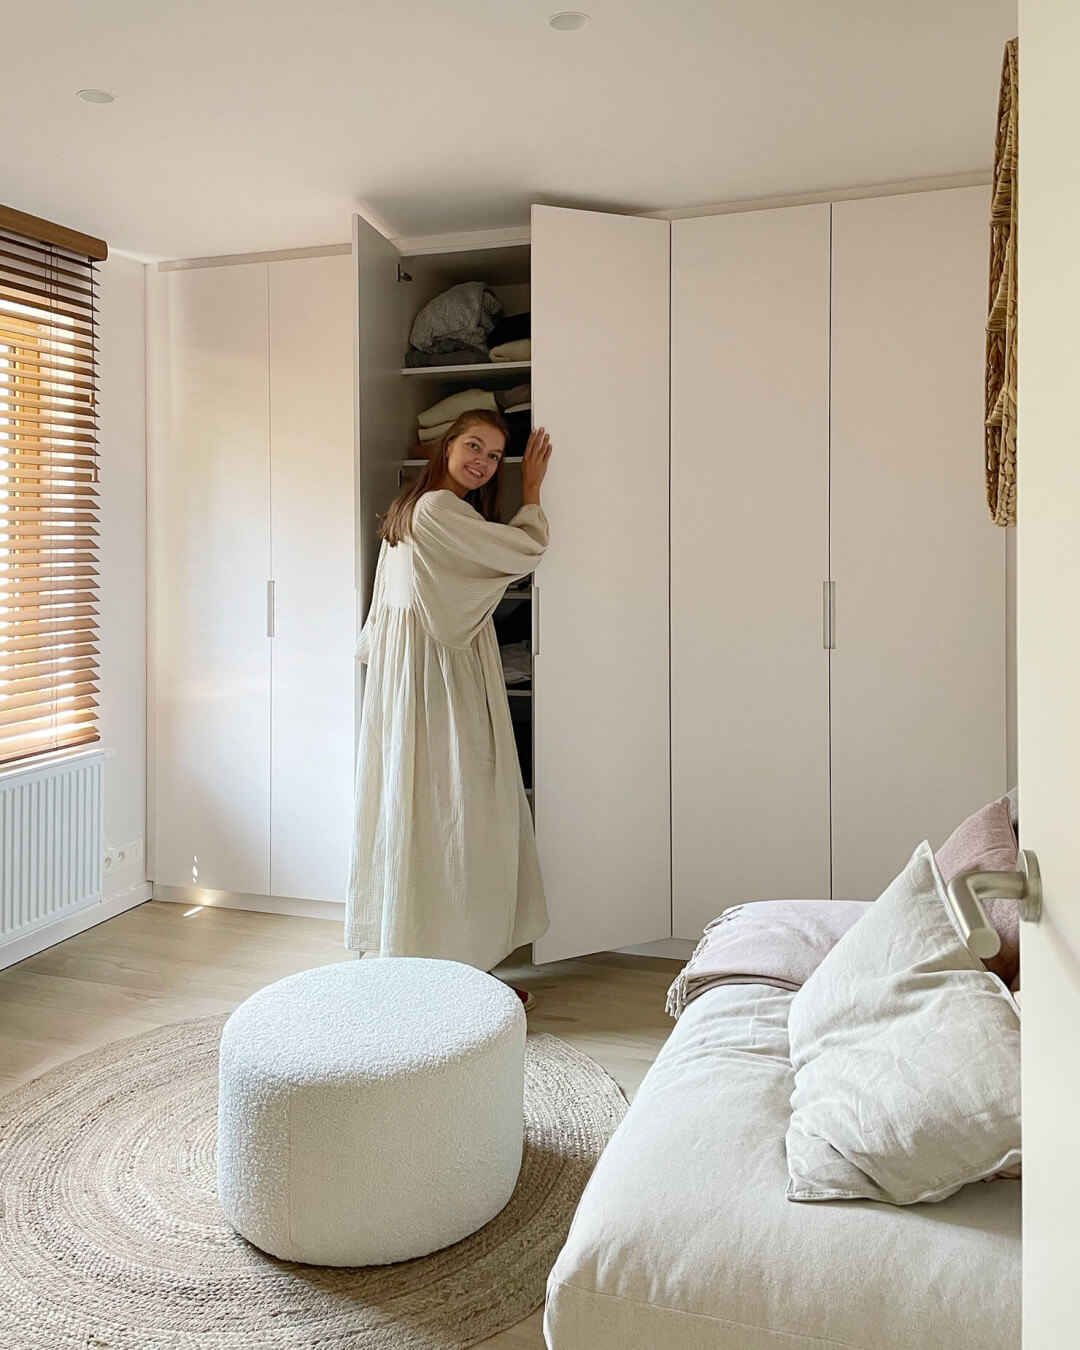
[[397, 523]]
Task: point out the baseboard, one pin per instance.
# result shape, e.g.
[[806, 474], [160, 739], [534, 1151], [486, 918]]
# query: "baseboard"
[[675, 949], [29, 944], [259, 904]]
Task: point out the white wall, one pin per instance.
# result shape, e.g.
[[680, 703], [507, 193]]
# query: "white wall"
[[1048, 646], [122, 362]]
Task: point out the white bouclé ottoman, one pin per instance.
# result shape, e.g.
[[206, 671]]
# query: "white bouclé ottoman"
[[370, 1111]]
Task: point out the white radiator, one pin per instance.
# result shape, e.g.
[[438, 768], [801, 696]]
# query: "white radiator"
[[51, 834]]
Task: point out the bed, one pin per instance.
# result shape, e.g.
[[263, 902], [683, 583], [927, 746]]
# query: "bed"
[[685, 1240]]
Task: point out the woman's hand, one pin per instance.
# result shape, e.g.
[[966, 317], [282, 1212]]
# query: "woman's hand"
[[534, 466]]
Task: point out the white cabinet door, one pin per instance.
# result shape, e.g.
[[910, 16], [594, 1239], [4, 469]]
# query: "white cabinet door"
[[385, 424], [312, 566], [918, 673], [1049, 658], [749, 555], [210, 559], [600, 299]]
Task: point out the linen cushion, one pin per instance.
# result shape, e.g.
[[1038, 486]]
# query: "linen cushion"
[[906, 1054], [985, 842]]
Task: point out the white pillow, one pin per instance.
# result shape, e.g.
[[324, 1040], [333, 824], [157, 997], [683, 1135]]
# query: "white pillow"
[[906, 1053]]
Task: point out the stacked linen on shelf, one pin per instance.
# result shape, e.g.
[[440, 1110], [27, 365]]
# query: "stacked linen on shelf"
[[415, 360], [453, 328], [465, 326], [514, 400], [514, 404], [511, 339], [434, 422], [512, 351], [516, 660], [511, 328]]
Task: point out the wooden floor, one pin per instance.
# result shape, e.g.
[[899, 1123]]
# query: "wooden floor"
[[152, 966]]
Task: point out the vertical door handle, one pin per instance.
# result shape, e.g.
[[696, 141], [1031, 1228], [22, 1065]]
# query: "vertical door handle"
[[828, 615], [535, 620], [270, 616]]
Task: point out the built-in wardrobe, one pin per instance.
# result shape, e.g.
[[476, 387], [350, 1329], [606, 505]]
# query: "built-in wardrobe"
[[252, 591], [837, 590], [768, 638]]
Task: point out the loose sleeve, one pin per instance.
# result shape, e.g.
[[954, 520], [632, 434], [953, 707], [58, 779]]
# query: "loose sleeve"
[[367, 633], [455, 539]]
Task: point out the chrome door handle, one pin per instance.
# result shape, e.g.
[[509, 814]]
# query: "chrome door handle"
[[968, 890]]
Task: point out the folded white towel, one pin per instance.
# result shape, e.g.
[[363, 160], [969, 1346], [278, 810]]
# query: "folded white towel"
[[513, 351], [429, 434], [451, 408], [510, 398]]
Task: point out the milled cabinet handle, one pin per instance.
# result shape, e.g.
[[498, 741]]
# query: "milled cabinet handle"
[[535, 620], [828, 615], [270, 614]]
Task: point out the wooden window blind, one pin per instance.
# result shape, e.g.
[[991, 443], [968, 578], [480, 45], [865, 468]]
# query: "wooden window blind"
[[48, 487]]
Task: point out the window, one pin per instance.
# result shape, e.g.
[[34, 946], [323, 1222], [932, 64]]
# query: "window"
[[48, 487]]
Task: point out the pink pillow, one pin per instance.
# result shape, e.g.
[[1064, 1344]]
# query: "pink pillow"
[[985, 842]]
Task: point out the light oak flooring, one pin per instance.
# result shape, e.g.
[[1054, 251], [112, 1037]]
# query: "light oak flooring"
[[152, 966]]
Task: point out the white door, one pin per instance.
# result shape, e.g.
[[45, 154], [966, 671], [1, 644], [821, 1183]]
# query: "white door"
[[749, 555], [209, 544], [918, 670], [1048, 491], [384, 426], [600, 297], [312, 567]]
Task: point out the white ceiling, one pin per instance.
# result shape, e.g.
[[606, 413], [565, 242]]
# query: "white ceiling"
[[244, 125]]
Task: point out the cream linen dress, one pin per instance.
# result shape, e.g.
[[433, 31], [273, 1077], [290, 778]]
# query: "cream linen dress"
[[444, 858]]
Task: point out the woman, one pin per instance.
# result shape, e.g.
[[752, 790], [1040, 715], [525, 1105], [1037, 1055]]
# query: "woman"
[[444, 859]]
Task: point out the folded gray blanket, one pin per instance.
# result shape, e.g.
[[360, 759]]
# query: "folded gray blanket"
[[460, 356], [777, 942], [463, 316]]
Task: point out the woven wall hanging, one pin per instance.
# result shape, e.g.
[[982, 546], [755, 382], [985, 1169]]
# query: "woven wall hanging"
[[1001, 325]]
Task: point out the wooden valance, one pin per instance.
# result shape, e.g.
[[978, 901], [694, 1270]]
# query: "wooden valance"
[[18, 222]]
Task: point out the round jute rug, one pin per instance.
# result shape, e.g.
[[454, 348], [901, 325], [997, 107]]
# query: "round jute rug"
[[111, 1237]]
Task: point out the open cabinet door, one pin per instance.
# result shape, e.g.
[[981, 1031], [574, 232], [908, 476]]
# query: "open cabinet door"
[[381, 332], [600, 332], [1048, 651]]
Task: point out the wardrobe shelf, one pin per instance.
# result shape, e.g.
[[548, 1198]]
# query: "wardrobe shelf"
[[422, 463], [518, 693], [465, 372]]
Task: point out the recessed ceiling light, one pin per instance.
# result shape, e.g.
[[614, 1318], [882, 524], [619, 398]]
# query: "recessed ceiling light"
[[568, 21], [96, 96]]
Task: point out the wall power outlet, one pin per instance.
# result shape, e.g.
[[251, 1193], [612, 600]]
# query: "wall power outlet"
[[121, 856]]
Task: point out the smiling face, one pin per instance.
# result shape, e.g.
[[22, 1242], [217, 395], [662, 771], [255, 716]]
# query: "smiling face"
[[474, 456]]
